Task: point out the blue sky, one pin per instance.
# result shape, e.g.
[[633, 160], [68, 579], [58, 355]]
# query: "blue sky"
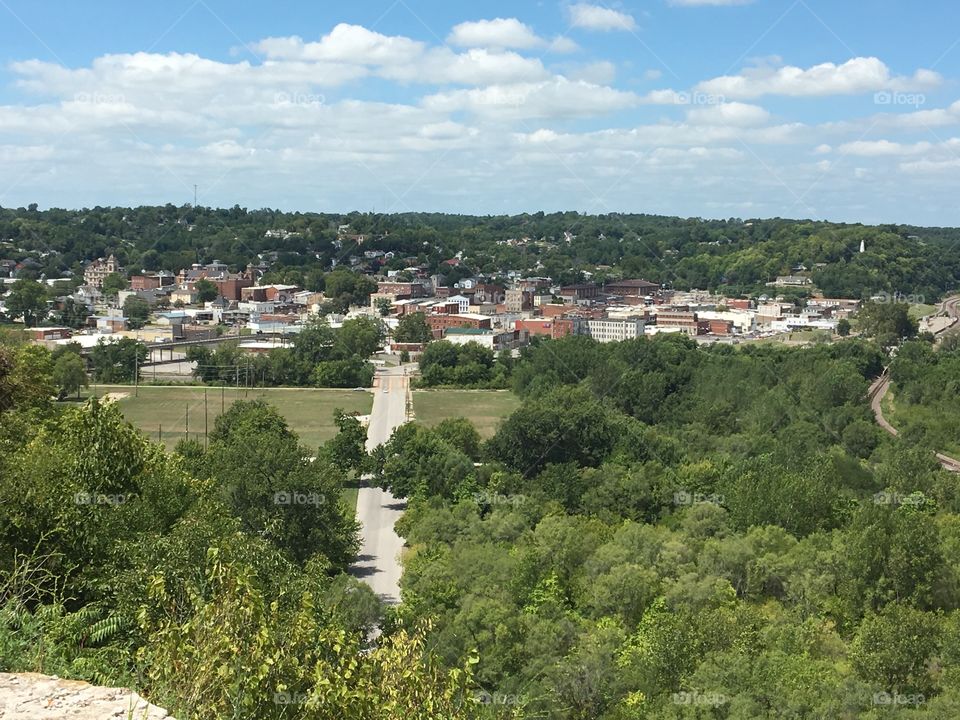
[[716, 108]]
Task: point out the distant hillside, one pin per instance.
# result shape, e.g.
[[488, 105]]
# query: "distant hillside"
[[737, 255]]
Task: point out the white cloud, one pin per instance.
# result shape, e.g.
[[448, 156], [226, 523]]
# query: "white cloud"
[[346, 43], [884, 148], [563, 44], [596, 17], [856, 76], [558, 97], [735, 113], [496, 33]]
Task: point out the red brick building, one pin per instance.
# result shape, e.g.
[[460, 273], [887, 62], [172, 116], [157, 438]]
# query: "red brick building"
[[721, 327], [439, 323], [631, 288]]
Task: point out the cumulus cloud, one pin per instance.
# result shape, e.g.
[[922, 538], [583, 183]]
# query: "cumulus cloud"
[[596, 17], [882, 148], [498, 33], [558, 97], [856, 76], [481, 120], [734, 113]]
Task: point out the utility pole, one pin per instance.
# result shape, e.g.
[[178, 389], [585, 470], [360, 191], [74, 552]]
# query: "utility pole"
[[186, 415], [136, 373], [205, 421], [194, 196]]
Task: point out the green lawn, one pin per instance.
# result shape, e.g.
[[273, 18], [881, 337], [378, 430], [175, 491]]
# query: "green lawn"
[[485, 408], [918, 311], [166, 409]]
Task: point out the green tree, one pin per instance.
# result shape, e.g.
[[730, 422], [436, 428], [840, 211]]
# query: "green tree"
[[893, 649], [206, 290], [270, 484], [383, 306], [27, 299], [843, 327], [345, 450], [114, 283], [413, 328], [118, 361], [137, 311], [360, 337], [887, 322], [69, 374]]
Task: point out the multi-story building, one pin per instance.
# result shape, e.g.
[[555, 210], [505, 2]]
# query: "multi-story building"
[[631, 288], [686, 321], [152, 281], [517, 300], [581, 292], [607, 330], [440, 323], [97, 271], [401, 290]]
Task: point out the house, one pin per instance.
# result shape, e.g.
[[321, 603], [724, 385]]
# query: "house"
[[96, 272], [791, 281], [87, 295], [112, 322]]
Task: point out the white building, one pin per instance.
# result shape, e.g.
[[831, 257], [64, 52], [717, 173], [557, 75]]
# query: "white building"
[[613, 330]]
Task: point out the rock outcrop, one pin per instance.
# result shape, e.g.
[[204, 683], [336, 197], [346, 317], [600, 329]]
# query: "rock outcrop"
[[31, 696]]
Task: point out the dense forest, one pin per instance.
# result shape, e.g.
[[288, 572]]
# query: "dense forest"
[[737, 255], [668, 531], [660, 530]]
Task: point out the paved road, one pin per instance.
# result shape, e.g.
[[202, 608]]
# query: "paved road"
[[377, 510]]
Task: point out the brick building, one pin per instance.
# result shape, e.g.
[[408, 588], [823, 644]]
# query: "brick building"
[[97, 271]]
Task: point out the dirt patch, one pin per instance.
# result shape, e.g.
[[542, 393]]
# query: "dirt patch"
[[114, 396]]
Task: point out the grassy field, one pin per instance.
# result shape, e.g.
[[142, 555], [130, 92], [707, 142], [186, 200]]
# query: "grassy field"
[[918, 311], [166, 409], [486, 408]]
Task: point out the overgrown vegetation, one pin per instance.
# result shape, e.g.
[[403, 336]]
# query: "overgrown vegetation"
[[668, 531], [211, 580]]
